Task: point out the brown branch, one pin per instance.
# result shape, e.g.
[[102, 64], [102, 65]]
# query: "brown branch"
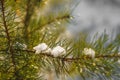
[[75, 59], [10, 50], [4, 21]]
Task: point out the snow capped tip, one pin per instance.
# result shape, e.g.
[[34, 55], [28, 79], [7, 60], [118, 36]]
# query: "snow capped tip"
[[40, 48], [90, 52], [48, 51], [43, 48], [58, 51]]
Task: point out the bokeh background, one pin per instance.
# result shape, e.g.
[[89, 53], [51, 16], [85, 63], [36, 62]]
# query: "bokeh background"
[[97, 16]]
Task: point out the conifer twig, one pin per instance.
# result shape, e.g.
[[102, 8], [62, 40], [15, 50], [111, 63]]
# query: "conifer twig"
[[76, 58], [10, 50]]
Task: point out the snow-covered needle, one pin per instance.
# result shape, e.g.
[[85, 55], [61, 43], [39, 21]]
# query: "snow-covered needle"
[[40, 48], [58, 51], [47, 51], [90, 52]]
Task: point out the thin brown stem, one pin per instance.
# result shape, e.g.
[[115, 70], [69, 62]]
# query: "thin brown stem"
[[10, 50], [4, 22], [76, 58]]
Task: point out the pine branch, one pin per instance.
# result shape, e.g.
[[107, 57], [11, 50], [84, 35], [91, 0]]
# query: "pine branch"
[[23, 59], [110, 56], [4, 22], [10, 49]]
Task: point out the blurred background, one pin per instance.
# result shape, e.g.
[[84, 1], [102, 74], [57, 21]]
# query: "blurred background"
[[97, 16]]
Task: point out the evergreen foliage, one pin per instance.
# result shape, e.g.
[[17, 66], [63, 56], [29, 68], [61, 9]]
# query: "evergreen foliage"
[[27, 23]]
